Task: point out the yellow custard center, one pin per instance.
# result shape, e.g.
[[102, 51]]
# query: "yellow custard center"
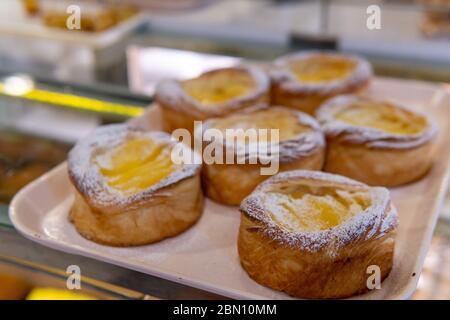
[[382, 117], [135, 165], [287, 123], [322, 68], [303, 208], [219, 87]]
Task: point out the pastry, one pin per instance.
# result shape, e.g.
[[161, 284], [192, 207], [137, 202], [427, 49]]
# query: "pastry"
[[436, 25], [376, 142], [304, 80], [300, 146], [56, 294], [23, 158], [31, 6], [213, 94], [128, 191], [314, 235], [435, 22]]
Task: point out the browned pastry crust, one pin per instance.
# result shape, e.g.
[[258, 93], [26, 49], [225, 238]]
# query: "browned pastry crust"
[[289, 91], [180, 110], [105, 216], [373, 156], [331, 263], [376, 166], [230, 183]]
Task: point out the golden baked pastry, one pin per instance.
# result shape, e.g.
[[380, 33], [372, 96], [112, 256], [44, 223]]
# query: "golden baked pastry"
[[213, 94], [300, 146], [56, 294], [304, 80], [436, 24], [313, 234], [96, 17], [376, 142], [31, 6], [128, 189]]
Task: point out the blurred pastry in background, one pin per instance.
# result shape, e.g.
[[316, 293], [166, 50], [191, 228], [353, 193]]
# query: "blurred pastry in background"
[[436, 24], [23, 158], [31, 6], [95, 15], [304, 80], [376, 142], [213, 94], [128, 189], [313, 234], [13, 288]]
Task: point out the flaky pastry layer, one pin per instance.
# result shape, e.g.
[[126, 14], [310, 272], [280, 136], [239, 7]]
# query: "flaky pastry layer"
[[316, 263]]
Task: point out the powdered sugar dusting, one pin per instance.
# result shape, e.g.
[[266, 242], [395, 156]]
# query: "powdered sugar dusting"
[[372, 137], [301, 145], [379, 218], [86, 175], [171, 94], [283, 75]]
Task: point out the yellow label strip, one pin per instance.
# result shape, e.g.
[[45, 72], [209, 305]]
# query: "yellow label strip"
[[77, 102]]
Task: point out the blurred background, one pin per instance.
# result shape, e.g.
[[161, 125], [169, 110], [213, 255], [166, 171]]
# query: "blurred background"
[[58, 83]]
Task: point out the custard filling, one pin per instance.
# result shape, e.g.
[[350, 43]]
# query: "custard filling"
[[380, 116], [287, 123], [308, 208], [322, 68], [219, 87], [135, 165]]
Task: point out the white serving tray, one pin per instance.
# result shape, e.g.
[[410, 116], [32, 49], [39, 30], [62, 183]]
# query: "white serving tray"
[[206, 256]]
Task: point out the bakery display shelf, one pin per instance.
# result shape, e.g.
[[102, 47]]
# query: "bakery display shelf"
[[206, 257], [26, 276]]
